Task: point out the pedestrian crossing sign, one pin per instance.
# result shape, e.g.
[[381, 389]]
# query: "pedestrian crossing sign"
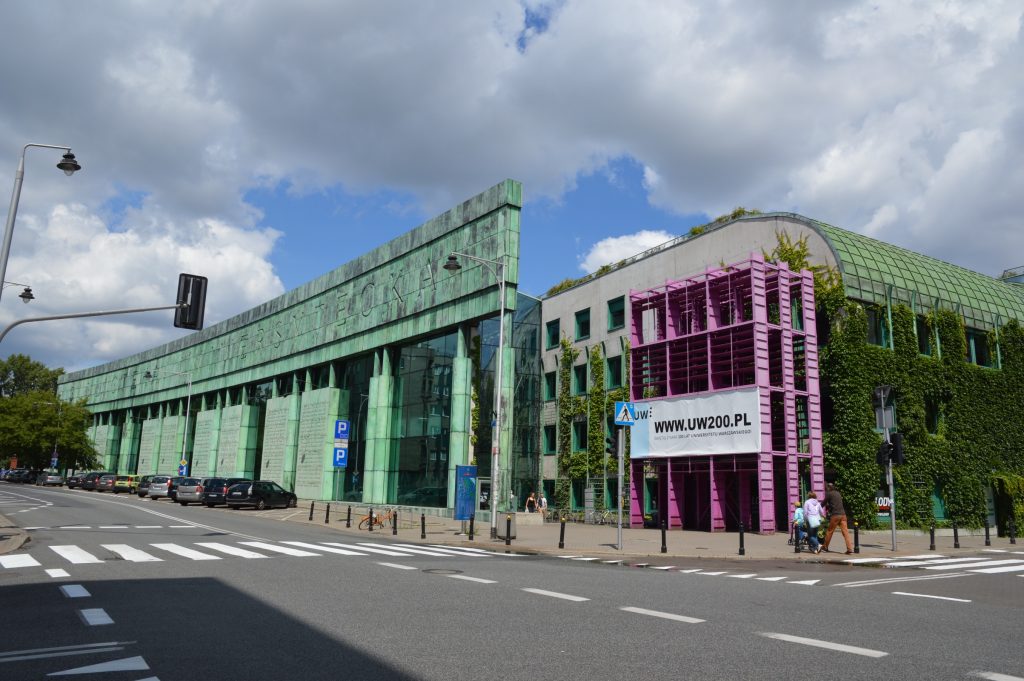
[[625, 413]]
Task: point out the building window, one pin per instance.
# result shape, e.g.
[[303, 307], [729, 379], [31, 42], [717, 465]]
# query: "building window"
[[550, 441], [977, 348], [614, 373], [583, 324], [616, 313], [550, 386], [579, 375], [878, 332], [924, 339], [932, 415], [579, 435], [553, 332]]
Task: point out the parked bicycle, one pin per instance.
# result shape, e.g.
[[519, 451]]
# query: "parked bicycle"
[[384, 517]]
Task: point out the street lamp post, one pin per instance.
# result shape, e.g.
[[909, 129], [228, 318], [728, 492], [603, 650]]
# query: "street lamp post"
[[497, 268], [26, 295], [68, 164], [183, 468]]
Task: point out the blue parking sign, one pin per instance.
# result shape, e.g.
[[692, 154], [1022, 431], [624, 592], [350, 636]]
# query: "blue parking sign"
[[341, 428], [340, 457]]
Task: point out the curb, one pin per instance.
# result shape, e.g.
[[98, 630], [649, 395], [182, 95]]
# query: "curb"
[[11, 538]]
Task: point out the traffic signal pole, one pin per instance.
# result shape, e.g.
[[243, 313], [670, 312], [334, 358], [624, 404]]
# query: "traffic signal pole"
[[86, 314], [621, 441], [892, 489]]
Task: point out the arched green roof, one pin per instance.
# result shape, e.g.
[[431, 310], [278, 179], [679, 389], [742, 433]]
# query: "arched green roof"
[[869, 266]]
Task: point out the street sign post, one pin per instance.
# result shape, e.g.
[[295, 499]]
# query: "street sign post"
[[625, 417]]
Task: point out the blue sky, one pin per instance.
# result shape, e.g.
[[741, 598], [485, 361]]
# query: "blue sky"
[[263, 144]]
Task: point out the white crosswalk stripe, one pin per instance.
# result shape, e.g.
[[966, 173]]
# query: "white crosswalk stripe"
[[131, 554], [75, 555], [230, 550], [980, 564], [185, 552], [287, 550]]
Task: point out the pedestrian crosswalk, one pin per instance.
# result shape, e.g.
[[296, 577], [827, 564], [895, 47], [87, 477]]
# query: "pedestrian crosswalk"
[[700, 571], [1000, 561], [65, 554]]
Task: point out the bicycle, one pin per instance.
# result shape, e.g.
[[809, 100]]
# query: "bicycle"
[[383, 518]]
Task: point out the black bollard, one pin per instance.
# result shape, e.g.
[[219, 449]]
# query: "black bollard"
[[508, 530], [327, 513], [743, 551], [311, 505], [796, 539], [856, 537], [956, 536], [988, 541], [664, 529], [423, 526], [931, 533], [472, 519], [371, 519], [394, 523], [348, 517], [561, 535], [1013, 531]]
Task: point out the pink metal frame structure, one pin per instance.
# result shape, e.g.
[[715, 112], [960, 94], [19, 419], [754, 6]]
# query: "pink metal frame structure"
[[748, 324]]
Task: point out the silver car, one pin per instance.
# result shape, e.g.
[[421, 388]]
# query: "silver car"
[[45, 479], [159, 486], [190, 490]]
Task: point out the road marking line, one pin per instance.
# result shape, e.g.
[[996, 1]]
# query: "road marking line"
[[864, 561], [185, 552], [95, 617], [148, 527], [75, 591], [994, 676], [37, 528], [18, 560], [583, 559], [690, 571], [663, 567], [555, 594], [131, 554], [473, 579], [981, 564], [113, 527], [128, 664], [806, 582], [75, 554], [364, 549], [62, 651], [770, 579], [817, 643], [55, 573], [1008, 568], [465, 549], [714, 574], [328, 549], [663, 615], [74, 527], [941, 598], [639, 565], [431, 552], [894, 580], [568, 556], [230, 550], [279, 549], [398, 566], [612, 562], [179, 527], [937, 561], [746, 576], [985, 550]]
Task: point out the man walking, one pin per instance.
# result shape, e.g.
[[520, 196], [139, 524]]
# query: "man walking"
[[836, 516]]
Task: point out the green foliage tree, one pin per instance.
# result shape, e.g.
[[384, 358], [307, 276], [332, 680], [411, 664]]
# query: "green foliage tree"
[[19, 374], [33, 425]]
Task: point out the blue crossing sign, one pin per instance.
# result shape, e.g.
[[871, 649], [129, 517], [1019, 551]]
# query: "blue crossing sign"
[[625, 413], [340, 457]]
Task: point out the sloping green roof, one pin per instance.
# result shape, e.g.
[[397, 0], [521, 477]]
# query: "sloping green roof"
[[869, 266]]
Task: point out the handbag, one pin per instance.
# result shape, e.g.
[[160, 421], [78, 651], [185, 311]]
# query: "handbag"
[[814, 521]]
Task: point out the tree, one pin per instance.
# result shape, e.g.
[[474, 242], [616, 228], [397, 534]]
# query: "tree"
[[19, 374], [36, 424]]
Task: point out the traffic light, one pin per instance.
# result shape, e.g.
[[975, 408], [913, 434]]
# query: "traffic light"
[[612, 444], [896, 453], [192, 295], [884, 449]]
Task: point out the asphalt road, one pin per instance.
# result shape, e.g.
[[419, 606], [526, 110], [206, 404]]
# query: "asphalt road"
[[196, 593]]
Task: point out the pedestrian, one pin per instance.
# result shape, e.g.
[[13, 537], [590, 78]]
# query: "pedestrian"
[[812, 515], [531, 504], [542, 505], [798, 522], [836, 517]]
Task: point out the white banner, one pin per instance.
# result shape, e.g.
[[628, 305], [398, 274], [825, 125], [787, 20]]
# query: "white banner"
[[716, 423]]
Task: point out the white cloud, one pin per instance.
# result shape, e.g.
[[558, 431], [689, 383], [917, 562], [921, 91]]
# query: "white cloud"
[[613, 249]]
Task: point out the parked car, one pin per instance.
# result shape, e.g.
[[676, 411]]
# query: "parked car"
[[190, 490], [126, 483], [106, 483], [90, 481], [260, 494], [172, 491], [215, 490], [75, 480], [16, 475], [143, 488], [159, 486], [45, 479]]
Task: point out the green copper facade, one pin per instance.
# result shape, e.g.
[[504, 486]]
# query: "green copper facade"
[[385, 341]]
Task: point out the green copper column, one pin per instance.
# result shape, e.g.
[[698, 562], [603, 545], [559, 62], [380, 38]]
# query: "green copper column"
[[377, 482]]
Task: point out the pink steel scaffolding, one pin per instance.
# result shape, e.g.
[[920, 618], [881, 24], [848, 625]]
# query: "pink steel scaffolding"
[[749, 324]]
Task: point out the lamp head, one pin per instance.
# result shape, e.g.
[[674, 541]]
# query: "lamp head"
[[453, 264], [26, 295], [69, 165]]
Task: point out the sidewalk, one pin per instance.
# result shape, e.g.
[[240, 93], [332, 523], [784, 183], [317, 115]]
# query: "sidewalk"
[[11, 538]]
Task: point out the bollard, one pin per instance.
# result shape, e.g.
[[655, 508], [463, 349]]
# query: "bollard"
[[988, 542], [508, 530], [561, 535], [348, 517], [472, 519], [856, 537], [371, 519], [311, 505], [956, 536], [664, 529], [1013, 531], [743, 551], [394, 523], [423, 526], [796, 538], [931, 543], [327, 513]]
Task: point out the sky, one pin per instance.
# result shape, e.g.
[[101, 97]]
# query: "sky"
[[263, 144]]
